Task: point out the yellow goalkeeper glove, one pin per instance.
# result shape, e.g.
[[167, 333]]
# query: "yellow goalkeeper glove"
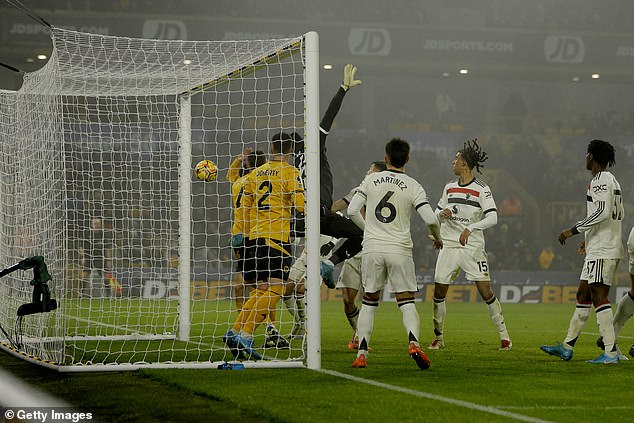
[[349, 71]]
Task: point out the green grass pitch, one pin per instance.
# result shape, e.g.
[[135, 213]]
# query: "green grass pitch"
[[469, 380]]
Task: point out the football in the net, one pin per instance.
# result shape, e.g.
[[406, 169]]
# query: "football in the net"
[[206, 170]]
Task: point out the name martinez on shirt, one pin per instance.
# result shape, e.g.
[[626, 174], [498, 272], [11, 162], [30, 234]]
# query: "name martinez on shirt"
[[391, 180]]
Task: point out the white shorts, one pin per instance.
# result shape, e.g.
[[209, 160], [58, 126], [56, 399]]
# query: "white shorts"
[[451, 261], [350, 275], [381, 269], [630, 251], [599, 270], [298, 270]]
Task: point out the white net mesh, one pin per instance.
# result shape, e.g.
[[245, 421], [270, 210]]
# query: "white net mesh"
[[90, 153]]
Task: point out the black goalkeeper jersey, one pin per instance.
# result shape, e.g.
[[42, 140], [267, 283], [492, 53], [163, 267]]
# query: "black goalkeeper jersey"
[[326, 181]]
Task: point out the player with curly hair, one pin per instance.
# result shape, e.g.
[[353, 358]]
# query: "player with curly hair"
[[603, 249], [465, 210]]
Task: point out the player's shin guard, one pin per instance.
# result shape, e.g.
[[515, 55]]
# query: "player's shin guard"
[[577, 322], [495, 311], [624, 310], [606, 329], [439, 313], [365, 323], [411, 320]]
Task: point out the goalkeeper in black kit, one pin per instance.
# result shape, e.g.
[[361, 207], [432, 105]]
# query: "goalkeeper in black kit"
[[333, 224]]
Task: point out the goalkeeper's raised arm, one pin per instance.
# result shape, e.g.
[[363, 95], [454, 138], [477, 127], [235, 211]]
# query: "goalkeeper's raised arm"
[[331, 223], [349, 81]]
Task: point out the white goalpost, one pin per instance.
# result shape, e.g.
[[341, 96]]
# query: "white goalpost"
[[97, 190]]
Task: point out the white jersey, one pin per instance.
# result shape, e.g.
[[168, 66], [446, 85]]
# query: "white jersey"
[[470, 204], [390, 197], [603, 224]]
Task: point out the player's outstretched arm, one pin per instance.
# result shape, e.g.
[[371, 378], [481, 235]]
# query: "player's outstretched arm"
[[234, 168], [349, 81]]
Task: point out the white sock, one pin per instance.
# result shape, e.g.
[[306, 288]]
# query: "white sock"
[[624, 310], [439, 313], [606, 328], [495, 311], [289, 302], [411, 320], [365, 325], [577, 322]]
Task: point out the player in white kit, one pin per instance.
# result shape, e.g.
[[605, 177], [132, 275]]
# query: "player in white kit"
[[603, 248], [389, 198], [465, 210]]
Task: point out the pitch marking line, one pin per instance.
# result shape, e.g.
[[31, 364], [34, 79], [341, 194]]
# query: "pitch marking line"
[[421, 394], [597, 334], [563, 407]]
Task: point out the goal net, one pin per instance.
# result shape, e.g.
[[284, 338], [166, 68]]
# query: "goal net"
[[97, 151]]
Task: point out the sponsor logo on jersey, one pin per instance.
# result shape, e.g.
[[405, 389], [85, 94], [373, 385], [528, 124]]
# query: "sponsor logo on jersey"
[[459, 219]]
